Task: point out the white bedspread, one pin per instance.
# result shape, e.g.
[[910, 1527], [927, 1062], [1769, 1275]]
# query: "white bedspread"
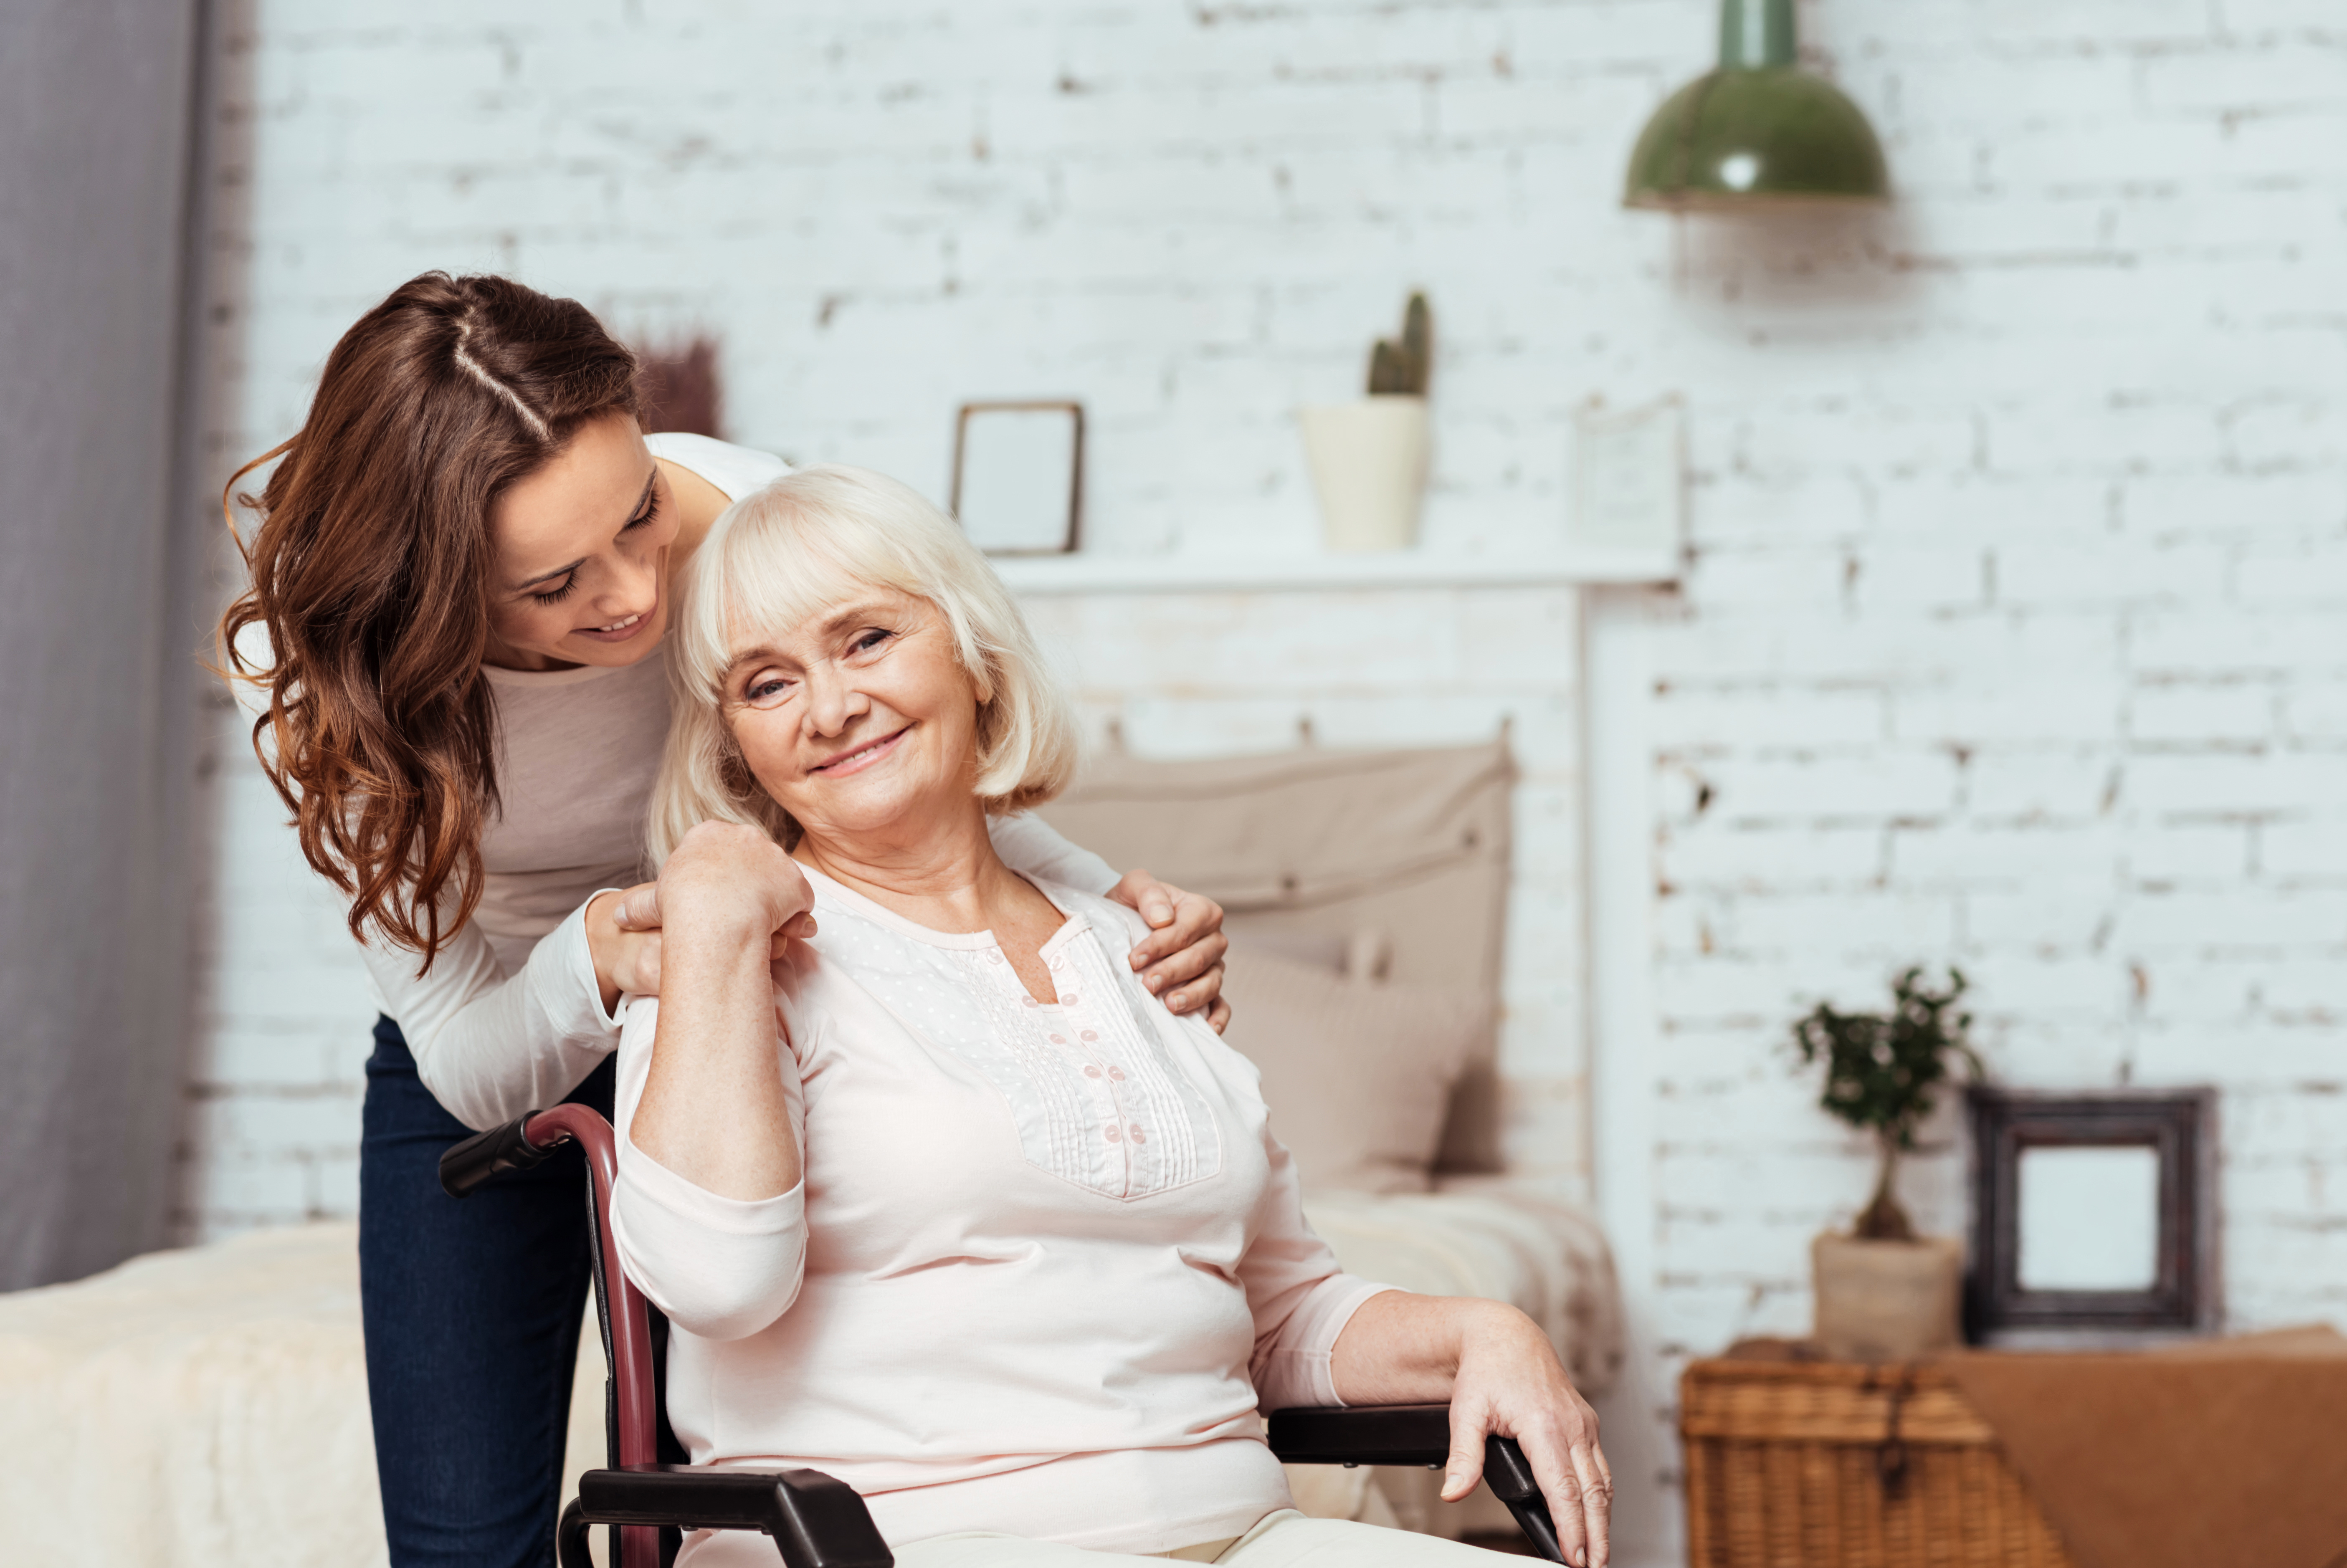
[[197, 1408], [207, 1407], [1488, 1238]]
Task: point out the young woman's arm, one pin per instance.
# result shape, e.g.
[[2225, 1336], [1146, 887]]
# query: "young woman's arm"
[[491, 1046]]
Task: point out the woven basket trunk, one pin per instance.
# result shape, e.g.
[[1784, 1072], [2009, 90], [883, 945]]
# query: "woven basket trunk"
[[1793, 1465]]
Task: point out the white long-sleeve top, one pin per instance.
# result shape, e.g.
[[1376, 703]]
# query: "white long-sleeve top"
[[510, 1017], [1044, 1263]]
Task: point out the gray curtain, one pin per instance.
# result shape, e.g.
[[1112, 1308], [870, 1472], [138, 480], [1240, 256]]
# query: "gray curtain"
[[96, 623]]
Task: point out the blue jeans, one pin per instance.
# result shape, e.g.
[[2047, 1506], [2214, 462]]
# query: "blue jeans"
[[472, 1312]]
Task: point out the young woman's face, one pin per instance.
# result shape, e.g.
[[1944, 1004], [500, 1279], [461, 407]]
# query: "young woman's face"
[[860, 718], [580, 568]]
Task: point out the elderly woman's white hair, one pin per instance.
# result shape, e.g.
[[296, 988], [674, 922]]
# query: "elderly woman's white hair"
[[804, 543]]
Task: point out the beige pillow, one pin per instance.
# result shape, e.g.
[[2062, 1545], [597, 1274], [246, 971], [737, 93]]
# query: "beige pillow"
[[1357, 1076]]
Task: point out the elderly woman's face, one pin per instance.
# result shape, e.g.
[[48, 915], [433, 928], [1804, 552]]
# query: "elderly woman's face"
[[859, 716]]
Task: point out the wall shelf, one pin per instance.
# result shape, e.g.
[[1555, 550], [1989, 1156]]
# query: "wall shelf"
[[1139, 574]]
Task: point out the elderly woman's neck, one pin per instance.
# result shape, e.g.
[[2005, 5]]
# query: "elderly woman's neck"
[[945, 875]]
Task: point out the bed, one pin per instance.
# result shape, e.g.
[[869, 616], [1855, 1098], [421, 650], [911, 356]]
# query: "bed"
[[207, 1406]]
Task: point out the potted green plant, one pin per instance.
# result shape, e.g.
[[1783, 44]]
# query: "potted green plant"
[[1884, 1293], [1369, 458]]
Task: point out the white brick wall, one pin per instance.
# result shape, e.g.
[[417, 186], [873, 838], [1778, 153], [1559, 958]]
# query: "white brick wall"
[[2014, 632]]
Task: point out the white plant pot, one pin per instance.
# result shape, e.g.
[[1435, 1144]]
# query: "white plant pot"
[[1368, 464], [1886, 1300]]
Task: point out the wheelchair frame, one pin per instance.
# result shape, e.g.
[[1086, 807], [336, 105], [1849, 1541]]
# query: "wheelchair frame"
[[813, 1519]]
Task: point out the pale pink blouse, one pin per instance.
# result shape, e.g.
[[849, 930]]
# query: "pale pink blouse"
[[1044, 1264]]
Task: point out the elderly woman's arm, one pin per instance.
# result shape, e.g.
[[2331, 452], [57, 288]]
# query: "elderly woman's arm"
[[1324, 1337], [712, 1110], [709, 1211], [1501, 1377]]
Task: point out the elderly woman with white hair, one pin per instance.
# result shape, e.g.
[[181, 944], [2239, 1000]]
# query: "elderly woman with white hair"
[[944, 1202]]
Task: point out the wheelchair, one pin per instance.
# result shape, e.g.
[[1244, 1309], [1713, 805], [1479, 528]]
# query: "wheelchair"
[[648, 1497]]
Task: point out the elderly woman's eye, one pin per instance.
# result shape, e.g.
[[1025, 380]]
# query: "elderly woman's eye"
[[865, 642], [765, 691]]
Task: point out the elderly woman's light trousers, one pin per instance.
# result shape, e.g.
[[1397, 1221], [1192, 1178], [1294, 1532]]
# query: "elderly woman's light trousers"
[[1284, 1540]]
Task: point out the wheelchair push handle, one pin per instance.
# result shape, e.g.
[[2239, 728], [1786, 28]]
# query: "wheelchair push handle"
[[466, 1166]]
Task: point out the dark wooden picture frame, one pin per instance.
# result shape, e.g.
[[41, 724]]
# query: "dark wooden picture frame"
[[2178, 1125], [1073, 538]]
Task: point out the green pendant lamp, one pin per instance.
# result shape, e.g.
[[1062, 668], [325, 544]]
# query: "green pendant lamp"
[[1756, 132]]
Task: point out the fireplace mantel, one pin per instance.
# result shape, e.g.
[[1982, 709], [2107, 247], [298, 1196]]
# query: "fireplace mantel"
[[1068, 575]]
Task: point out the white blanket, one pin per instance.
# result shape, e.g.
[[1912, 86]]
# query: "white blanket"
[[207, 1407], [203, 1408], [1488, 1236]]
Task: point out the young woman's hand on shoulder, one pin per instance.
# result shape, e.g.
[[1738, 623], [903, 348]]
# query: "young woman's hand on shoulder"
[[723, 880], [1181, 959]]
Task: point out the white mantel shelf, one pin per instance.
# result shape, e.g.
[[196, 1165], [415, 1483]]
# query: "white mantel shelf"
[[1135, 574]]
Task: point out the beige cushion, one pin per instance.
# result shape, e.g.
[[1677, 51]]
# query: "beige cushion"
[[1357, 1077], [1312, 847]]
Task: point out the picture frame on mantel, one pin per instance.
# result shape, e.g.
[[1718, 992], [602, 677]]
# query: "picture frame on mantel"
[[2094, 1215], [1019, 476]]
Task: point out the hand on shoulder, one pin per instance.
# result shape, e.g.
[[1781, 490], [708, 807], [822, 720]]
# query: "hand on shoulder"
[[1181, 959]]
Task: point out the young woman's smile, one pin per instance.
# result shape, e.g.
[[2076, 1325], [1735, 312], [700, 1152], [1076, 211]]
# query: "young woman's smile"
[[626, 628]]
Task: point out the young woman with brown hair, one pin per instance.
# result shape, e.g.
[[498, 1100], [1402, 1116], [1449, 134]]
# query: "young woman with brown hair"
[[452, 641]]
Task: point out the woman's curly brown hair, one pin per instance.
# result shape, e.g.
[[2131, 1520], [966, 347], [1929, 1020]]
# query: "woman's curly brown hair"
[[370, 576]]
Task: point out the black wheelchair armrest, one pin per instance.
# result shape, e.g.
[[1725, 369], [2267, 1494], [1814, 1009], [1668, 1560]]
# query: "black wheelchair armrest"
[[1411, 1435], [814, 1521], [465, 1166]]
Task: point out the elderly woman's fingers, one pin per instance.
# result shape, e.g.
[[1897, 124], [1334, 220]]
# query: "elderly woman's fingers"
[[1510, 1381], [1219, 1015], [1561, 1490], [1597, 1500], [734, 867], [1471, 1423]]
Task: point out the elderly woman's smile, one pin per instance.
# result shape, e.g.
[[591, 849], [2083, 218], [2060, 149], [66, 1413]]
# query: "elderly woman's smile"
[[858, 717], [864, 754]]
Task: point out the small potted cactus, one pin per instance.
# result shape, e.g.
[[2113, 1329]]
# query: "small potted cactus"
[[1884, 1293], [1369, 458]]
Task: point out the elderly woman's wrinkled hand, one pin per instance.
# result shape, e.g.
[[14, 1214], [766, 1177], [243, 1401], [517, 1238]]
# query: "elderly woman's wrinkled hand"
[[1511, 1384], [722, 867], [1181, 959]]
